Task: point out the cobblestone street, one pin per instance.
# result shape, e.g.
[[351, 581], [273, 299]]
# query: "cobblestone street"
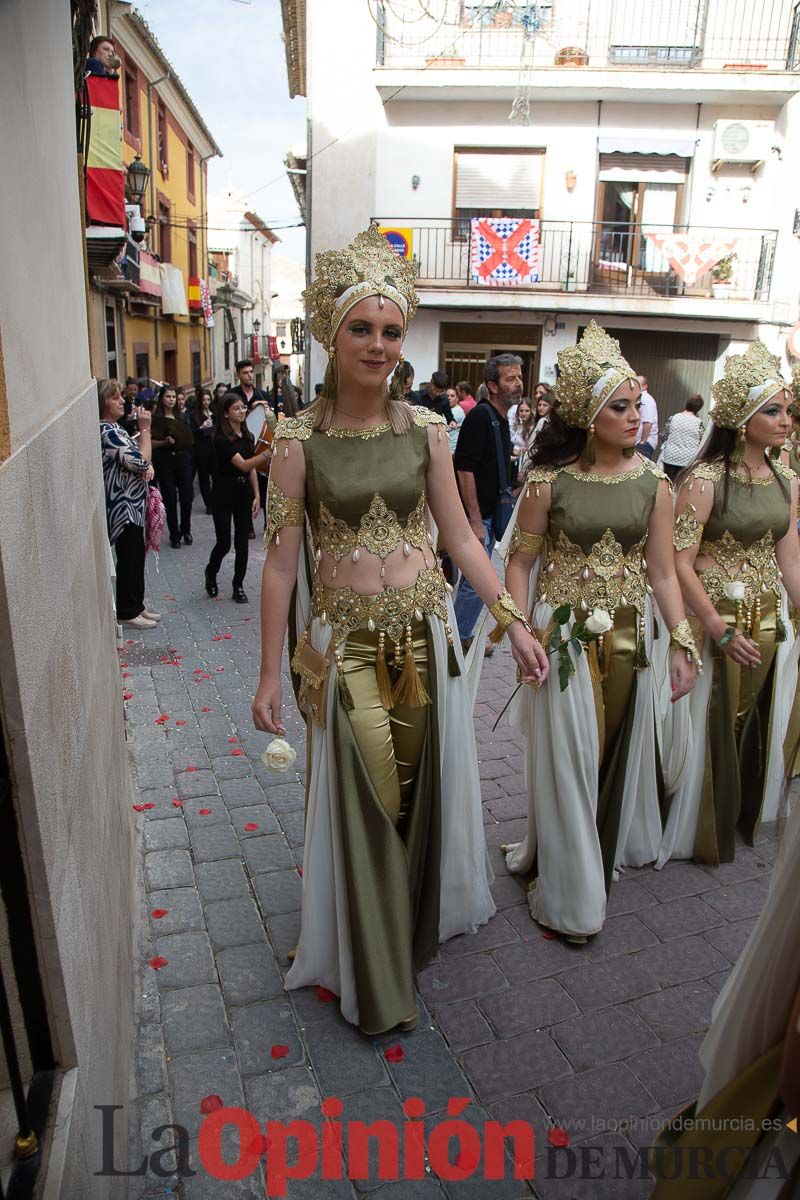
[[601, 1039]]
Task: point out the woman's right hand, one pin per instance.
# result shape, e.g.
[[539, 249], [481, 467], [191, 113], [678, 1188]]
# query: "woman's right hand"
[[742, 650], [169, 439], [149, 474], [143, 418], [267, 707]]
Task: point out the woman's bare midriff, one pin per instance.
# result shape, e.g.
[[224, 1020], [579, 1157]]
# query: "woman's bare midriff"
[[364, 576]]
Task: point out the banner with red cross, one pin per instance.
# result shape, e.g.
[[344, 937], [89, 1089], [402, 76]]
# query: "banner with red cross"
[[691, 255], [504, 251]]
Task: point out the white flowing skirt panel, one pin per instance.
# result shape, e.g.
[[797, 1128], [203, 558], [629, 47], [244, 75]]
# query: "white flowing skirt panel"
[[324, 952], [684, 806]]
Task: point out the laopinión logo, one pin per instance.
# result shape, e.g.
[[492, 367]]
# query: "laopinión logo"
[[453, 1149]]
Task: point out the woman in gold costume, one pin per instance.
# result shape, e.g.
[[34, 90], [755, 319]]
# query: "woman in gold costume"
[[738, 557], [590, 512], [394, 858]]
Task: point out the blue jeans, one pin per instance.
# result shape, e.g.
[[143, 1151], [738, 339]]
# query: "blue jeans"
[[646, 449], [468, 603]]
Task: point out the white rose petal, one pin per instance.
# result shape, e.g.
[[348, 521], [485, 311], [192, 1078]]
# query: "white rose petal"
[[735, 590], [599, 622], [279, 755]]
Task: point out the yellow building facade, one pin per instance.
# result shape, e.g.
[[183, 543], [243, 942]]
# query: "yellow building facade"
[[159, 331]]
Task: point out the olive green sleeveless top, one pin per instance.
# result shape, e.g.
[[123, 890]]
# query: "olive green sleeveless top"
[[740, 535], [593, 553]]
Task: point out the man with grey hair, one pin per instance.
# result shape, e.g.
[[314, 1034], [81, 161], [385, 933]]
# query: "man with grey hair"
[[482, 462]]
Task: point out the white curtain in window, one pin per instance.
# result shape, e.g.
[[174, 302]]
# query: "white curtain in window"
[[658, 209], [508, 181]]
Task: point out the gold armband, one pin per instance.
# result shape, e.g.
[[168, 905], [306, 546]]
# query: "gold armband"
[[506, 612], [687, 530], [681, 636], [282, 510], [528, 543]]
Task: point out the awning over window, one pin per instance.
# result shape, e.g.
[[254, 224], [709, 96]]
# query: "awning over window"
[[625, 144], [643, 168], [507, 181]]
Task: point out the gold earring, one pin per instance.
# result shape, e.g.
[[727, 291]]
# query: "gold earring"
[[738, 452], [588, 450]]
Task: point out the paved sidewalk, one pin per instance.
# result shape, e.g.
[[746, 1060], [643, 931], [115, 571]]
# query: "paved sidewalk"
[[520, 1023]]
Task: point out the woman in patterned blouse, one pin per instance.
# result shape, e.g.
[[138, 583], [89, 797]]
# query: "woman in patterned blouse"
[[126, 473]]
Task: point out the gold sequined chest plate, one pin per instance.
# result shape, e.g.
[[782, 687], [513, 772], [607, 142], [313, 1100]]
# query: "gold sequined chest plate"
[[606, 577]]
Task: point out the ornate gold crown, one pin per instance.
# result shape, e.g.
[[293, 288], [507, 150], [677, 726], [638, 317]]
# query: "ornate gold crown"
[[749, 381], [589, 373], [367, 267]]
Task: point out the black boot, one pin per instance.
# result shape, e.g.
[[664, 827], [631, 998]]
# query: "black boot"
[[211, 584], [239, 596]]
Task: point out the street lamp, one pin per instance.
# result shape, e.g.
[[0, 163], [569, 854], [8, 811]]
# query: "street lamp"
[[256, 327], [138, 175]]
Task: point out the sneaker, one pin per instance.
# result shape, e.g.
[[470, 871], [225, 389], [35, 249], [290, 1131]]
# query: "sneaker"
[[148, 616], [140, 622]]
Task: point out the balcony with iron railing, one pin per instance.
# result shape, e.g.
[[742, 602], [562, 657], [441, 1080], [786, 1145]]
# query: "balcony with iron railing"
[[727, 35], [591, 258]]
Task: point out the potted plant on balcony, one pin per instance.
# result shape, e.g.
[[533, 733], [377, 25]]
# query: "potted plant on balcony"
[[723, 277], [502, 13]]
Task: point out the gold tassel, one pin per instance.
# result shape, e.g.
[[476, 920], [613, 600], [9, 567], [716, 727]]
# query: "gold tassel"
[[408, 689], [345, 695], [587, 458], [780, 630], [396, 386], [608, 650], [329, 386], [738, 453], [382, 673], [640, 659], [629, 452], [775, 452], [595, 673], [496, 635], [453, 669], [755, 631]]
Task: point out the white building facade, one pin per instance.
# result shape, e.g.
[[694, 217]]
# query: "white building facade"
[[657, 168]]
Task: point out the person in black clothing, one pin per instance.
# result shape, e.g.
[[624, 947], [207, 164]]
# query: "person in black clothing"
[[128, 419], [409, 395], [246, 387], [235, 493], [436, 398], [172, 459], [483, 471], [201, 423]]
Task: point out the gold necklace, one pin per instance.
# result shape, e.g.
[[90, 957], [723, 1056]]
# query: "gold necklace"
[[355, 417]]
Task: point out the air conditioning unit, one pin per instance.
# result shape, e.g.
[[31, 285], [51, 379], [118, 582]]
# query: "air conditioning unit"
[[741, 142]]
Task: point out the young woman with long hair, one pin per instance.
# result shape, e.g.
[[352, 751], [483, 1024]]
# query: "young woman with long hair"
[[172, 459], [234, 497], [201, 423], [591, 539], [394, 859], [738, 562]]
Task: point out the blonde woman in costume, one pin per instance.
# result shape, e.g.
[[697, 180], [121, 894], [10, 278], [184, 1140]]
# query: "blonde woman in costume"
[[592, 536], [738, 557], [394, 858], [751, 1056]]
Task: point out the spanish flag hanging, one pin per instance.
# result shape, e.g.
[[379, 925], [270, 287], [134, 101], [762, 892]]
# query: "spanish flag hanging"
[[105, 175]]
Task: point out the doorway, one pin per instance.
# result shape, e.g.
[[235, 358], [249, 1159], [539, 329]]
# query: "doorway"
[[171, 366], [624, 257], [465, 348]]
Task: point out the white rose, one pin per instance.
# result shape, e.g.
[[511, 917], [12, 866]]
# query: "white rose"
[[735, 590], [279, 755], [599, 622]]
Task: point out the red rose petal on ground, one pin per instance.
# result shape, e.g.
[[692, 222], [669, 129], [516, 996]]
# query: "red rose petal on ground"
[[251, 826], [211, 1104], [127, 695], [549, 935], [218, 599], [180, 722], [191, 769], [220, 668], [158, 962], [126, 675], [218, 638], [237, 753], [198, 671], [557, 1136], [394, 1054], [147, 807], [162, 720], [177, 804], [172, 612], [122, 665], [226, 637], [204, 812], [233, 740], [299, 870], [158, 913], [131, 642], [138, 808], [206, 709], [279, 1051], [323, 995]]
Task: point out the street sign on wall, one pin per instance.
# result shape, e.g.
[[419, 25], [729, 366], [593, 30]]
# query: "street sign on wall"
[[399, 238]]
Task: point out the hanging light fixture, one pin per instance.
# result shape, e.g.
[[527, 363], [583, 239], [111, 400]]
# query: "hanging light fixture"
[[138, 175]]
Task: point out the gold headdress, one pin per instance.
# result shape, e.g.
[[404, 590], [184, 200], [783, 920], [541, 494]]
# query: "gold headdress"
[[367, 267], [588, 374], [750, 381], [794, 408]]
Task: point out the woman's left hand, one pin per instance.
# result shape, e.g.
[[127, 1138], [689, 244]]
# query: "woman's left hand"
[[682, 674], [149, 474], [256, 506], [528, 654]]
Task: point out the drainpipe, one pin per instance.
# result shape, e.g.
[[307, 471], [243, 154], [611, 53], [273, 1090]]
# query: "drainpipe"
[[203, 257]]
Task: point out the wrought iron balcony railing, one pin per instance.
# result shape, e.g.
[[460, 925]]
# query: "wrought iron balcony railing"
[[607, 258], [701, 34]]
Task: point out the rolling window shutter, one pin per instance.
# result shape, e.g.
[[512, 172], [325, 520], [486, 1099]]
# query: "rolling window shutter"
[[643, 168], [504, 181]]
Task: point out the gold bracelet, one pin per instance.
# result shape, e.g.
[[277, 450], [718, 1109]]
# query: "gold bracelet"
[[681, 636], [528, 543], [505, 612]]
